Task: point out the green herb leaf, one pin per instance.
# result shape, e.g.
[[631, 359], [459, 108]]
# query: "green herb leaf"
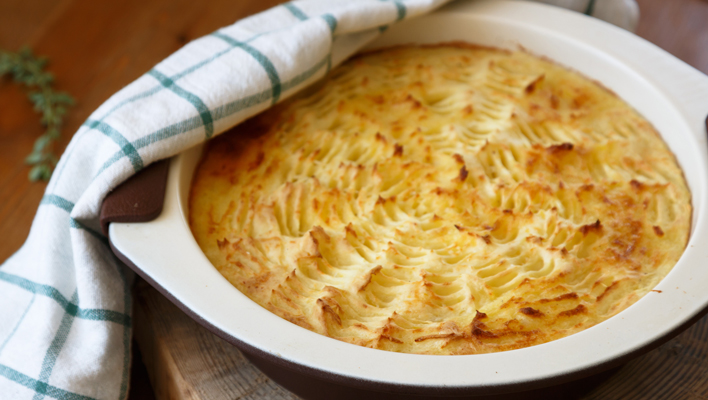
[[41, 143], [35, 158], [41, 172], [53, 133], [28, 70]]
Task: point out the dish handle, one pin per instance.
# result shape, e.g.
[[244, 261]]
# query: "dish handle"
[[138, 199]]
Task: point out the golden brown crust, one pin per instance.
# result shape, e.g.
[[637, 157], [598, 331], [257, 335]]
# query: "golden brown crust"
[[444, 199]]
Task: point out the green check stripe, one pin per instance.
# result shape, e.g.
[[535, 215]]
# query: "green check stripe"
[[331, 21], [180, 75], [138, 96], [295, 11], [57, 201], [39, 387], [157, 89], [19, 322], [50, 357], [276, 86], [307, 74], [164, 133], [189, 124], [128, 306], [171, 130], [329, 18], [401, 8], [224, 111], [98, 314], [66, 205], [120, 140], [126, 363], [329, 62], [78, 225], [590, 8], [64, 160], [202, 108], [95, 314]]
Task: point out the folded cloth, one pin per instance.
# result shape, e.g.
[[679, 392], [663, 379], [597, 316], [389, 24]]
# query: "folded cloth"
[[623, 13], [65, 301]]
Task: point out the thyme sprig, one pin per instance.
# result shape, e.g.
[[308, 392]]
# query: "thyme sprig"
[[28, 70]]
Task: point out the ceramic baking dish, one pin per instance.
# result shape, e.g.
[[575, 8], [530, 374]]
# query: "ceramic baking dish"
[[670, 94]]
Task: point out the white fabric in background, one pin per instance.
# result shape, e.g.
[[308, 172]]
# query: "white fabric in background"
[[623, 13]]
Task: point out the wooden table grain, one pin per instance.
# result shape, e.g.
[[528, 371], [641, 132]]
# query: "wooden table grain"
[[97, 47]]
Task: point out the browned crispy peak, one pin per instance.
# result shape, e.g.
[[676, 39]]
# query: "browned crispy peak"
[[463, 174], [580, 309], [558, 148], [479, 329], [436, 336], [391, 338], [531, 312], [566, 296], [614, 286], [367, 280], [636, 184], [532, 86], [595, 227], [257, 162], [398, 150], [328, 306]]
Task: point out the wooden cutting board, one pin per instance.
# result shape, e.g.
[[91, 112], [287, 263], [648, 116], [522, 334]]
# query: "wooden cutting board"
[[187, 362]]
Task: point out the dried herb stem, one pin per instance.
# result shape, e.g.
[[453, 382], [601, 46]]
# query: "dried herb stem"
[[29, 70]]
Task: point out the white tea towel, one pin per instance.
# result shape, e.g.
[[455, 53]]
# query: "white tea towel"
[[65, 302], [623, 13]]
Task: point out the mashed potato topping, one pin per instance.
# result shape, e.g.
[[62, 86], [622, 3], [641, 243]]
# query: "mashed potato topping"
[[448, 199]]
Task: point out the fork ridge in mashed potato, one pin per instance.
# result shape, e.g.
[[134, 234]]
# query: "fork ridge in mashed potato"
[[448, 199]]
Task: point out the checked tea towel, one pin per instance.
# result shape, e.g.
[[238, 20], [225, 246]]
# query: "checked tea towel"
[[65, 302]]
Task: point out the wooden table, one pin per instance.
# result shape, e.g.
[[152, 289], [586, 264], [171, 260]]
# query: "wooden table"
[[97, 47]]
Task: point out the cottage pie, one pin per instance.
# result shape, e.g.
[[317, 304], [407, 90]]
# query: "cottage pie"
[[448, 199]]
